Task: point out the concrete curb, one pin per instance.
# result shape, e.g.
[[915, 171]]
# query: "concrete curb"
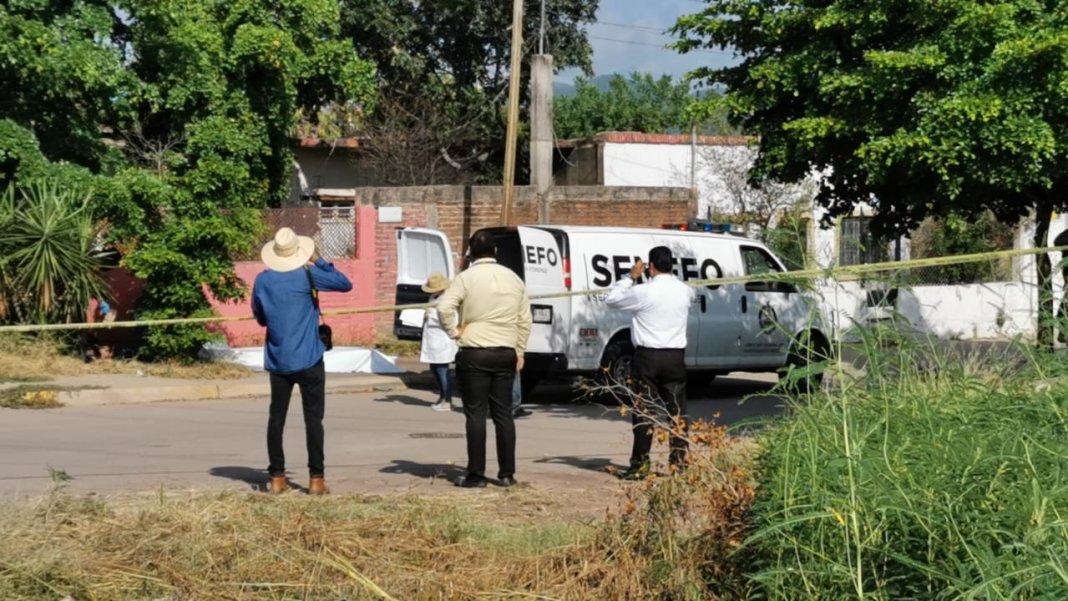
[[159, 390]]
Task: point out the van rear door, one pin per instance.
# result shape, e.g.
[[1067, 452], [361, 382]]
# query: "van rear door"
[[545, 266], [420, 252]]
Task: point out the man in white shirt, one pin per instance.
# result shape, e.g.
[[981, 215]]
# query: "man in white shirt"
[[658, 331]]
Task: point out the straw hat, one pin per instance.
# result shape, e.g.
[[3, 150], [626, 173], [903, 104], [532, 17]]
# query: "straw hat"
[[435, 283], [287, 251]]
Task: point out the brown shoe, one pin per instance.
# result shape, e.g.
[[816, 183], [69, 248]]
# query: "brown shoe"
[[279, 484], [318, 486]]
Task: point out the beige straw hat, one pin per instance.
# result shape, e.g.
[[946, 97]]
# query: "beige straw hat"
[[436, 282], [287, 251]]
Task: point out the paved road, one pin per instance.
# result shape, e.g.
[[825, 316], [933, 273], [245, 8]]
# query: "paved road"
[[376, 442]]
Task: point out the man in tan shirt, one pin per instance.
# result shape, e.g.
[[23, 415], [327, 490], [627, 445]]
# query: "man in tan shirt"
[[492, 330]]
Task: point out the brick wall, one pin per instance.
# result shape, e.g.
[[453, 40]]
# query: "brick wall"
[[458, 211], [620, 206]]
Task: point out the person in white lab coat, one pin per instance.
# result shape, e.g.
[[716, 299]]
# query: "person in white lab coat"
[[438, 348]]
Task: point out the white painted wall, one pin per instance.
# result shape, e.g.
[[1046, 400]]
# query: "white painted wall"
[[627, 164], [999, 310]]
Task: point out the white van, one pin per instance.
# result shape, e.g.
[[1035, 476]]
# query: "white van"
[[755, 326]]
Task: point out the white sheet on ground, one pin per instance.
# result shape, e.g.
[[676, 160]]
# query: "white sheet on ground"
[[339, 360]]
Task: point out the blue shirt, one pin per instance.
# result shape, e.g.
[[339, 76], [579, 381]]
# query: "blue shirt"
[[282, 301]]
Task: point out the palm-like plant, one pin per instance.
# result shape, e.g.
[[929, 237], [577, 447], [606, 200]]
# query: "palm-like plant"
[[50, 262]]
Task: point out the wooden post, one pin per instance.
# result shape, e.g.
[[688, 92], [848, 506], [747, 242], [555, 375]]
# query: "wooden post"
[[513, 112]]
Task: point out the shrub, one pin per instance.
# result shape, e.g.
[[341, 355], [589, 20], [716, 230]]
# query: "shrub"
[[50, 263], [679, 532]]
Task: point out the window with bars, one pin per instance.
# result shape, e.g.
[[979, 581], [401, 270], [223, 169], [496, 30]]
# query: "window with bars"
[[857, 245], [337, 230]]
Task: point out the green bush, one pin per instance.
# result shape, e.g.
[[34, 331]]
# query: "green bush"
[[936, 476]]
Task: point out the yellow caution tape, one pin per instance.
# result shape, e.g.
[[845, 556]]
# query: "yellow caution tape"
[[784, 276]]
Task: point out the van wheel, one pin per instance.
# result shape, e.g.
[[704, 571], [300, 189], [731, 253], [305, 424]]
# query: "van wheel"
[[616, 366], [618, 357], [805, 351]]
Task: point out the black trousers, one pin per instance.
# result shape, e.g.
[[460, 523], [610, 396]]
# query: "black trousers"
[[312, 382], [485, 376], [660, 382]]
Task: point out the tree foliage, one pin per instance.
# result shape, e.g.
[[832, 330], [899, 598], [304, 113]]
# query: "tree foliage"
[[453, 56], [926, 107], [176, 114], [639, 103]]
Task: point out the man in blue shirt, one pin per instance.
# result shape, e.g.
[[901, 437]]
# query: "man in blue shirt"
[[293, 353]]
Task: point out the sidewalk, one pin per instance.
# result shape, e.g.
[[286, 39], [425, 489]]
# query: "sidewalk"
[[112, 389]]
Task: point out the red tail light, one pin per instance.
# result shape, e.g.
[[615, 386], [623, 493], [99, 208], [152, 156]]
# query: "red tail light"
[[567, 273]]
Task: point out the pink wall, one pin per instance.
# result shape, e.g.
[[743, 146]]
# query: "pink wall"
[[348, 329]]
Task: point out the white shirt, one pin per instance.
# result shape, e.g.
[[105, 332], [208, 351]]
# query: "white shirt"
[[437, 346], [661, 308]]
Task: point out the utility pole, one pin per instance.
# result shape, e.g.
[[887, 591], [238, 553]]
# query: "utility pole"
[[513, 112]]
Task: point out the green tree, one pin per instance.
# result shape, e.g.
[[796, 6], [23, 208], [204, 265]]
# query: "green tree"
[[928, 107], [454, 56], [177, 114], [639, 103]]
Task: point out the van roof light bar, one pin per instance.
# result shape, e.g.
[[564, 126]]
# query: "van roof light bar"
[[699, 225]]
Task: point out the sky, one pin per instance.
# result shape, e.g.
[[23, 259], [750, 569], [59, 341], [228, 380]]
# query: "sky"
[[629, 36]]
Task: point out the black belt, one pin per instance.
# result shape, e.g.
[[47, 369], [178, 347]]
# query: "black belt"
[[661, 350]]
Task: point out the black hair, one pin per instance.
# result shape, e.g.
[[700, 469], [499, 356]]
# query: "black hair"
[[660, 257], [482, 246]]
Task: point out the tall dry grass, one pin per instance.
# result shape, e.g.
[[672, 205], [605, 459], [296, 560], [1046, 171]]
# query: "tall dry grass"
[[41, 358], [248, 546]]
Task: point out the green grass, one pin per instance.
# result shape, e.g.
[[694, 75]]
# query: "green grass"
[[935, 476]]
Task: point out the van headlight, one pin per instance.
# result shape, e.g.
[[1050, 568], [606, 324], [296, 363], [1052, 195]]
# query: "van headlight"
[[541, 313]]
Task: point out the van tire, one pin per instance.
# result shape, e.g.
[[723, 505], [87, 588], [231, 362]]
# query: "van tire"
[[615, 367], [808, 348]]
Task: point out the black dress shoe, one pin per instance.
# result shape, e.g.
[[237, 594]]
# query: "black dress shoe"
[[471, 482], [522, 412], [506, 481]]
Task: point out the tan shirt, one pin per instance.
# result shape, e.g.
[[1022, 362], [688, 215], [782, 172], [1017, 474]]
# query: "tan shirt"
[[492, 304]]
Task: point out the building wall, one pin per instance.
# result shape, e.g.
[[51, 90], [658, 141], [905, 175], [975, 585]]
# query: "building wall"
[[458, 211], [321, 166], [660, 160], [354, 328]]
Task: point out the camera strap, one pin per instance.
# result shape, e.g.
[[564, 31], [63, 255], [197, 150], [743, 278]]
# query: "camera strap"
[[314, 293]]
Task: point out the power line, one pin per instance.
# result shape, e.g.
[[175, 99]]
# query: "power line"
[[660, 46], [637, 27]]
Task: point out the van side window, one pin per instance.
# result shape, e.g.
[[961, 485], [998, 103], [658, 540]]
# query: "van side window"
[[757, 261]]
